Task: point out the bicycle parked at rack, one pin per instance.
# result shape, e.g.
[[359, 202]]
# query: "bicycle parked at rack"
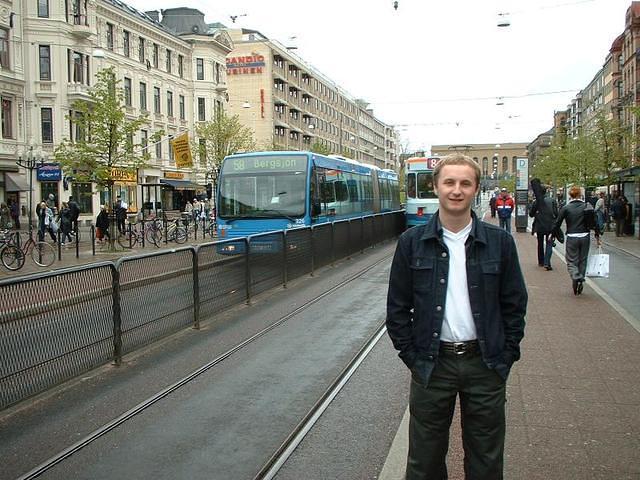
[[133, 235], [13, 256]]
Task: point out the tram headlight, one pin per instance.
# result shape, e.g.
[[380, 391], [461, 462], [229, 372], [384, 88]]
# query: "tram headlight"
[[420, 211]]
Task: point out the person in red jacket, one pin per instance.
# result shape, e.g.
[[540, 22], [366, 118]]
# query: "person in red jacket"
[[505, 206]]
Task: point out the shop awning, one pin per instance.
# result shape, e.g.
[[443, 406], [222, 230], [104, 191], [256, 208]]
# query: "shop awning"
[[15, 183], [181, 184]]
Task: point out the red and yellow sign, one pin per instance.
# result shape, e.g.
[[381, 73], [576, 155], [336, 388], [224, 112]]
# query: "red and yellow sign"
[[174, 175], [182, 151], [123, 175]]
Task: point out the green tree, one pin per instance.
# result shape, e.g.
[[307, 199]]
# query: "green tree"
[[105, 139], [320, 148], [218, 138]]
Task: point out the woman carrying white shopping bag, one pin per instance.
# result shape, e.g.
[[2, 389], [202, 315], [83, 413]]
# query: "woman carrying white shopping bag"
[[580, 219]]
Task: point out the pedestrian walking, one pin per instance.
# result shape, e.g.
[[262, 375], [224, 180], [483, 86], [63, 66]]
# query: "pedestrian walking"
[[505, 206], [14, 210], [5, 216], [102, 224], [195, 211], [120, 210], [65, 218], [619, 213], [46, 221], [74, 208], [492, 204], [580, 219], [600, 210], [544, 211], [458, 332]]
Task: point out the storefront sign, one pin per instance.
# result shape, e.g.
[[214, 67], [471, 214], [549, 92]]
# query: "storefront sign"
[[182, 151], [49, 173], [175, 175], [123, 175], [245, 65]]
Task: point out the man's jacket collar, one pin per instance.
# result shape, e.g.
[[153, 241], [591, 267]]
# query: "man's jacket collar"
[[433, 229]]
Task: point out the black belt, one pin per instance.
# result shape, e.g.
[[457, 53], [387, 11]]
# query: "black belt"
[[459, 348]]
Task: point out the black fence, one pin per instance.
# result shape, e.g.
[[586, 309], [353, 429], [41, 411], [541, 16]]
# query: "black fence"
[[57, 325]]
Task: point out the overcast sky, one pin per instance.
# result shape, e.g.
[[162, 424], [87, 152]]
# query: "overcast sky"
[[427, 66]]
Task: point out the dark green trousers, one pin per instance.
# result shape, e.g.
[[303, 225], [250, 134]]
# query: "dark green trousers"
[[431, 405]]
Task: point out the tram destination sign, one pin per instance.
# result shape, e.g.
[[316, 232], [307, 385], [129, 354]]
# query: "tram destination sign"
[[270, 163]]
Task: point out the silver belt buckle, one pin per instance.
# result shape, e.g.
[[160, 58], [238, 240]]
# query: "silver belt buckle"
[[459, 348]]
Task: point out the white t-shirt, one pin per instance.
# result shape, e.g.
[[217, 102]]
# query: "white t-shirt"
[[458, 323]]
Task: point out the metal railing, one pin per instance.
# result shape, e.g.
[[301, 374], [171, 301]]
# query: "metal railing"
[[59, 324]]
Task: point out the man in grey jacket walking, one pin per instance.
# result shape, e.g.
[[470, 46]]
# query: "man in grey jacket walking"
[[580, 218]]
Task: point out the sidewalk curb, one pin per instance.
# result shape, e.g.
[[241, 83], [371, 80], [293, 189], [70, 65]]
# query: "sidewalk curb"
[[395, 464]]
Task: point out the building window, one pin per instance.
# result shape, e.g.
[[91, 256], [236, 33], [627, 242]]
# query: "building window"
[[46, 118], [218, 108], [43, 8], [76, 130], [84, 196], [125, 42], [217, 69], [45, 62], [169, 103], [110, 36], [127, 91], [514, 164], [201, 109], [199, 68], [143, 96], [505, 165], [78, 68], [4, 48], [144, 141], [141, 49], [180, 66], [7, 120], [168, 61], [170, 147], [79, 8], [158, 150], [156, 99], [156, 55], [181, 107]]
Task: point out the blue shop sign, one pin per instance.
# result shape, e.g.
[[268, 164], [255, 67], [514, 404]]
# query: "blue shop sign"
[[49, 173]]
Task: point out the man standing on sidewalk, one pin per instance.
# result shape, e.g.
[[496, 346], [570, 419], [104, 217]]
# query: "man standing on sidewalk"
[[455, 311], [505, 205]]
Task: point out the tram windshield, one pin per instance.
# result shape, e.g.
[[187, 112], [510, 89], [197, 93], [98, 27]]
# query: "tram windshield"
[[263, 187], [420, 185]]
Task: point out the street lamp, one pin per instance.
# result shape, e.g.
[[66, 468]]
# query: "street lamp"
[[31, 162]]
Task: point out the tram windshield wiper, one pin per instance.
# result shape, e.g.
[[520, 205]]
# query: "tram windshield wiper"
[[278, 213]]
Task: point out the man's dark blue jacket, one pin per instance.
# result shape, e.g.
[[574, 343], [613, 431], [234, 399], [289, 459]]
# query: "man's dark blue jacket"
[[418, 291]]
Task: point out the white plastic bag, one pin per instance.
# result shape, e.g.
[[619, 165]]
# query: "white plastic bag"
[[598, 265]]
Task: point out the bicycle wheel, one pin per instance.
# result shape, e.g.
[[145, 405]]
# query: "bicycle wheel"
[[43, 254], [180, 235], [12, 257], [124, 242], [153, 236]]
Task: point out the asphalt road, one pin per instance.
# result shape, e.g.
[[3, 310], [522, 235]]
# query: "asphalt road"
[[228, 421]]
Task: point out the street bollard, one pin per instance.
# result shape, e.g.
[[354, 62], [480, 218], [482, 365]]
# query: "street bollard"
[[93, 240], [77, 242]]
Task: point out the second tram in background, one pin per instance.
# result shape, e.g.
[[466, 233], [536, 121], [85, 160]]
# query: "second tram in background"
[[422, 201]]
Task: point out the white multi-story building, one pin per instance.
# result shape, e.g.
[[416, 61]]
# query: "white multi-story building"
[[50, 53], [291, 105]]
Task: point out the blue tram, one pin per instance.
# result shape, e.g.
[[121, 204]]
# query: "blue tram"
[[422, 201], [268, 191]]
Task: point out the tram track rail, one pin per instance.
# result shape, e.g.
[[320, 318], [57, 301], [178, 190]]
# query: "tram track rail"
[[282, 454], [303, 426]]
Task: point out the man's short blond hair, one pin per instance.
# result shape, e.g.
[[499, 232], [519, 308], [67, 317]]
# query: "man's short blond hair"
[[456, 159]]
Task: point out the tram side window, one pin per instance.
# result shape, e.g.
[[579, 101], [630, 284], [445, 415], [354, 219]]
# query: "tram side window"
[[411, 185], [367, 194]]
